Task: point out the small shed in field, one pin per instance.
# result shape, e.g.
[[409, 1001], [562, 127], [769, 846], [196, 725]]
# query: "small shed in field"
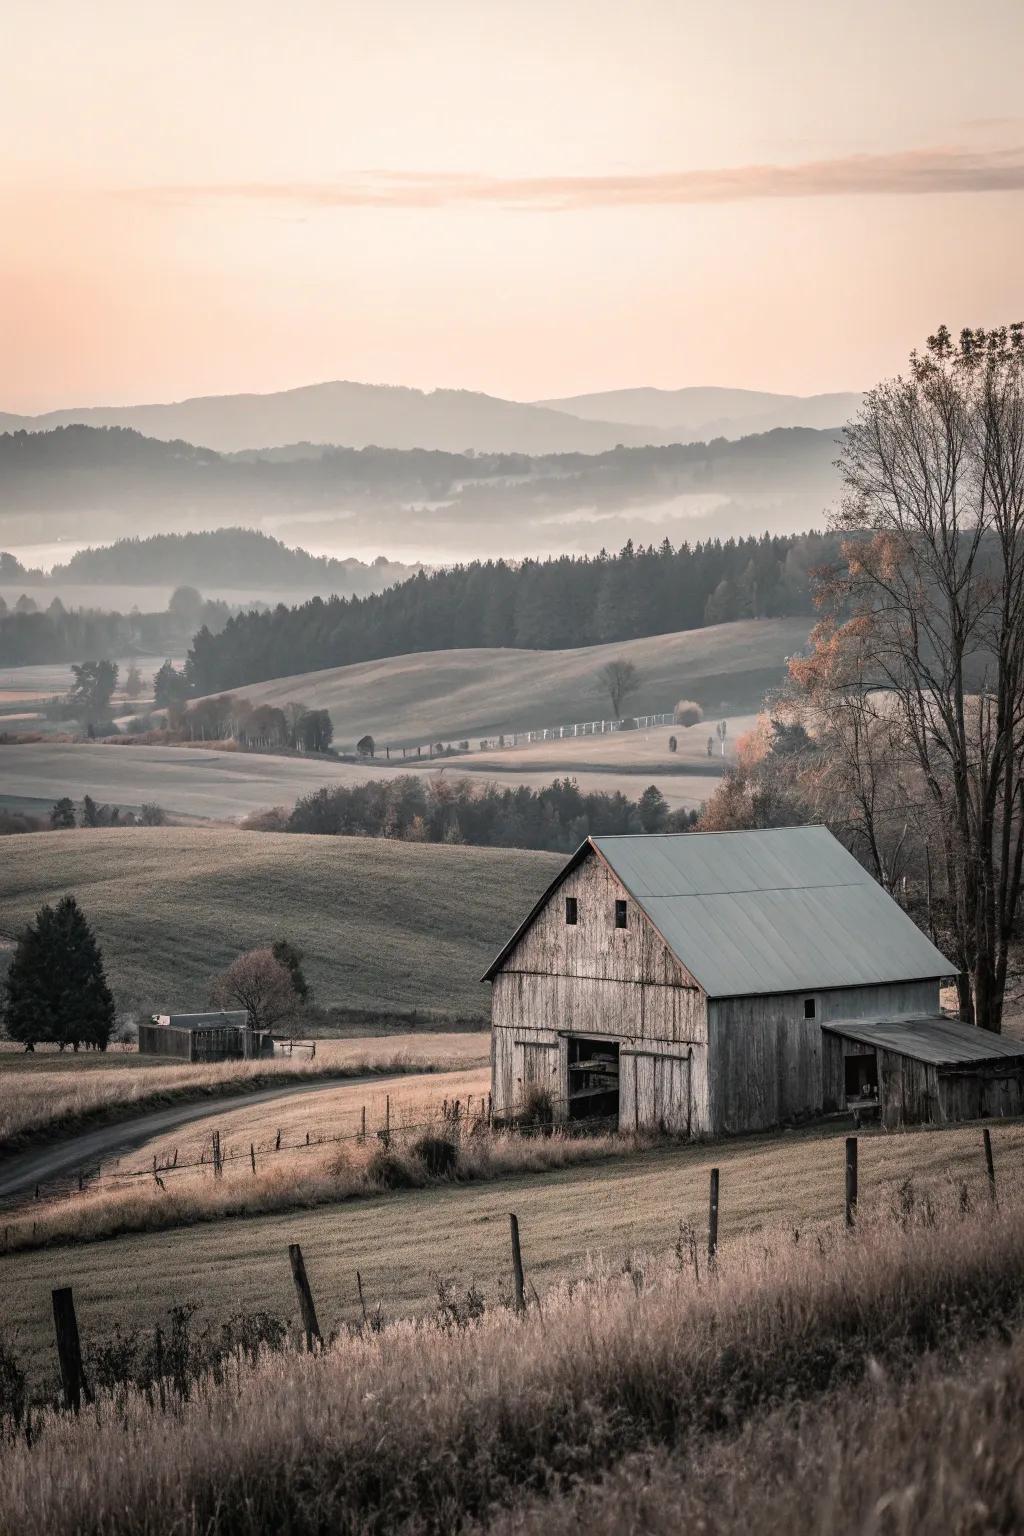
[[222, 1036], [683, 980]]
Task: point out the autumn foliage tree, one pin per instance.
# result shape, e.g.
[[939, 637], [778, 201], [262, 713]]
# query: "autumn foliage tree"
[[931, 606]]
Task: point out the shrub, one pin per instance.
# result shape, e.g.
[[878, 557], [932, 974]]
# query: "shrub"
[[673, 744], [687, 712], [152, 815], [438, 1154], [395, 1170]]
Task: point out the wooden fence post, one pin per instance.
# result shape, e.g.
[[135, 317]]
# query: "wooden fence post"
[[69, 1349], [851, 1180], [362, 1133], [517, 1265], [713, 1218], [218, 1162], [277, 1143], [252, 1155], [989, 1164], [310, 1326]]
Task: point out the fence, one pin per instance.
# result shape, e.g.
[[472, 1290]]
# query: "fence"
[[508, 739], [75, 1387]]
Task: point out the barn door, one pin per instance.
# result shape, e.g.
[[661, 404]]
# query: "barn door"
[[540, 1073], [661, 1092]]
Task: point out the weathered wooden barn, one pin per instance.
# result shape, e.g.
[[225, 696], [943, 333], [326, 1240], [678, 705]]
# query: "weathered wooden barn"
[[722, 982], [222, 1036]]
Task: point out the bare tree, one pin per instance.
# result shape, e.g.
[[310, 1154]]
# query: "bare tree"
[[934, 473], [618, 679], [260, 984]]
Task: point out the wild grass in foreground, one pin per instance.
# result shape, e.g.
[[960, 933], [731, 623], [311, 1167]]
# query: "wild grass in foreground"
[[427, 1428], [321, 1175], [37, 1102]]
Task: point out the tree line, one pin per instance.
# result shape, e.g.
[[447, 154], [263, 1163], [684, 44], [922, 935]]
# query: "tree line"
[[31, 634], [558, 817], [544, 605]]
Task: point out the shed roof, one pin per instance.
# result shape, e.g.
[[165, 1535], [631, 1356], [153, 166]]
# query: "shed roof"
[[221, 1017], [939, 1041], [754, 913]]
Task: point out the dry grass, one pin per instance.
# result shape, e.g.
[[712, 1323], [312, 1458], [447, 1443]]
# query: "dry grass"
[[770, 1185], [300, 1179], [427, 1428], [50, 1093], [383, 925]]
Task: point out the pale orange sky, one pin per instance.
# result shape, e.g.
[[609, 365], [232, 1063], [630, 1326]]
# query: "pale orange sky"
[[530, 197]]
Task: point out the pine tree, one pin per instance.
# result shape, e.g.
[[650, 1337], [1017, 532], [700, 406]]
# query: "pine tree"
[[62, 813], [56, 987]]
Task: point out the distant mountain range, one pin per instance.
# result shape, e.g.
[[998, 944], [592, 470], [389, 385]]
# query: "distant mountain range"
[[78, 481], [350, 415]]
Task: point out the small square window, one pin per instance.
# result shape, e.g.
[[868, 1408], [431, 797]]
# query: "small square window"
[[571, 910], [809, 1008], [620, 914]]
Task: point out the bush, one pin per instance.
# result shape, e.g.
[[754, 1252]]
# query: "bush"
[[673, 744], [152, 815], [439, 1155], [395, 1170], [687, 712]]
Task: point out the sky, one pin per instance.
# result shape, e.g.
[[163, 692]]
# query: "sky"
[[533, 198]]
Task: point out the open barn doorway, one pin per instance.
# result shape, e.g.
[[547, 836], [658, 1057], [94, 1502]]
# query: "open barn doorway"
[[593, 1080]]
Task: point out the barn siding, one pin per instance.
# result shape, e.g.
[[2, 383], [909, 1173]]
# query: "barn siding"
[[768, 1064], [594, 979]]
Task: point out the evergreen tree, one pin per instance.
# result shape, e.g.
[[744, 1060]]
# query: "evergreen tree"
[[62, 813], [56, 987], [291, 958]]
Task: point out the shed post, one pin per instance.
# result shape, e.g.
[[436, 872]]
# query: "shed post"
[[517, 1265], [713, 1218], [310, 1326], [851, 1180], [989, 1164], [69, 1349]]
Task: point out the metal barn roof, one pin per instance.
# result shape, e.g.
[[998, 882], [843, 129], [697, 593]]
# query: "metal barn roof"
[[222, 1018], [939, 1041], [753, 913]]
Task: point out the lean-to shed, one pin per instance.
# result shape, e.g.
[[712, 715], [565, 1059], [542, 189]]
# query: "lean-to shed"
[[683, 980]]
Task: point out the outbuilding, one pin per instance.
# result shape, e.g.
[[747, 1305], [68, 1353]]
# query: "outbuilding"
[[224, 1035], [718, 982]]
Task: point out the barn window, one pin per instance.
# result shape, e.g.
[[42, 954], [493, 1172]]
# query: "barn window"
[[808, 1007], [620, 914], [572, 911]]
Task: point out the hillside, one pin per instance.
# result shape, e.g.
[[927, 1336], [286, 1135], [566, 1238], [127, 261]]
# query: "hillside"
[[446, 695], [435, 504], [381, 924], [351, 415], [354, 415], [699, 414]]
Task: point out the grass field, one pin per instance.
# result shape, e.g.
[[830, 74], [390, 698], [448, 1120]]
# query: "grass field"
[[216, 785], [448, 695], [382, 924], [770, 1187], [48, 1092], [864, 1387]]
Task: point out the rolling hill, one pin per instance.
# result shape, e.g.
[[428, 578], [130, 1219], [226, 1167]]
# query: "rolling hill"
[[698, 415], [382, 925], [353, 415], [448, 695]]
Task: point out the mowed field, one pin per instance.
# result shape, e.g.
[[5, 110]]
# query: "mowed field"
[[571, 1219], [381, 924], [451, 695], [215, 785]]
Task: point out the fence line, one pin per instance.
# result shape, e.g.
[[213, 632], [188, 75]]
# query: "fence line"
[[507, 739]]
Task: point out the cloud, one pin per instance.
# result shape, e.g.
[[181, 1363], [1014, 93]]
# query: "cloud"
[[914, 172]]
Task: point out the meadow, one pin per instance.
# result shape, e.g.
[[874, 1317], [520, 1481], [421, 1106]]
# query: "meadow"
[[448, 695], [47, 1093], [871, 1383], [382, 925], [629, 1197]]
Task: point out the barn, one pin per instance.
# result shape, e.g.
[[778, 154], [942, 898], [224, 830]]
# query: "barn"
[[225, 1035], [712, 983]]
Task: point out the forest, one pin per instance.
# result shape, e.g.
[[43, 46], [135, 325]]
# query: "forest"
[[411, 809], [544, 605]]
